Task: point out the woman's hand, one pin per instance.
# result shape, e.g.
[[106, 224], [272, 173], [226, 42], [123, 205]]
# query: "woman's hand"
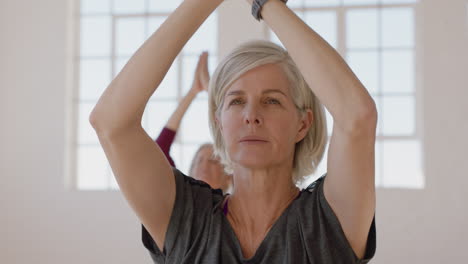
[[202, 76]]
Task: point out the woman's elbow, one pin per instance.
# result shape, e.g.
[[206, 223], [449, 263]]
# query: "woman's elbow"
[[99, 122], [95, 122], [366, 121]]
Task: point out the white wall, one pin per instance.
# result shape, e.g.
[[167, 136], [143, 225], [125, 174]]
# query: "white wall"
[[41, 222]]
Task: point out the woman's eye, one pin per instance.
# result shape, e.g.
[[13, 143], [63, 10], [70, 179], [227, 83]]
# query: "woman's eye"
[[272, 101], [235, 101]]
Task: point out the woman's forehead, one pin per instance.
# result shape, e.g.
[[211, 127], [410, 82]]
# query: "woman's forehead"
[[269, 78], [268, 73]]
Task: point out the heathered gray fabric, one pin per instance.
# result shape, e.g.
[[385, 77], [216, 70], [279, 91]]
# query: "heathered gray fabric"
[[307, 232]]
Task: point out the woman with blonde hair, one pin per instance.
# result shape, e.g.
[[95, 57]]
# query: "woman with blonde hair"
[[267, 120]]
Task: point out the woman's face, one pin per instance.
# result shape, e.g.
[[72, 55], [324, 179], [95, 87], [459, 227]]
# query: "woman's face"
[[209, 169], [259, 121]]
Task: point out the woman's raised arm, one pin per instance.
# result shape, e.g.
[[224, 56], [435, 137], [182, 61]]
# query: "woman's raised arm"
[[349, 185], [140, 168], [123, 102]]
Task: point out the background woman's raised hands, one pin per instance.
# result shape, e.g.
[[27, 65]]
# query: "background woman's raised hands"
[[201, 79], [202, 76]]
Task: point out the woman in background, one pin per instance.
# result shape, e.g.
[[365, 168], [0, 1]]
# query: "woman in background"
[[204, 166]]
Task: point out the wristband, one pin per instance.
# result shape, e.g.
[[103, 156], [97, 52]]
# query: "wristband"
[[257, 7]]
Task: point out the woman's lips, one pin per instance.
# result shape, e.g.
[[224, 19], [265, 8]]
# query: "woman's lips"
[[253, 139]]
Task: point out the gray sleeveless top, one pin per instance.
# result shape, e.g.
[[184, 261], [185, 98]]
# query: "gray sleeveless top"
[[308, 231]]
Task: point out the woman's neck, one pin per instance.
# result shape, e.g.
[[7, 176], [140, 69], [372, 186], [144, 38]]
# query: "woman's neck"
[[262, 183], [260, 197]]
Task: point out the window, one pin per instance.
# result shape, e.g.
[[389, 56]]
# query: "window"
[[110, 31], [377, 39]]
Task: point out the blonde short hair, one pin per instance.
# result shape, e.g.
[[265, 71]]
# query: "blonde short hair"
[[310, 150]]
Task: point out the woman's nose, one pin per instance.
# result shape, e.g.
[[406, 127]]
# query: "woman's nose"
[[252, 116]]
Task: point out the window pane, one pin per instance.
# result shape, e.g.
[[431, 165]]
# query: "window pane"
[[94, 78], [398, 115], [360, 2], [95, 36], [319, 3], [397, 71], [362, 28], [397, 27], [324, 23], [366, 67], [206, 37], [189, 64], [189, 68], [163, 5], [176, 153], [130, 35], [402, 164], [296, 3], [95, 6], [156, 115], [86, 133], [129, 6], [153, 24], [195, 124], [92, 168]]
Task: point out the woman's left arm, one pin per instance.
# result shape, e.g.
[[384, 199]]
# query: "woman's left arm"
[[349, 186]]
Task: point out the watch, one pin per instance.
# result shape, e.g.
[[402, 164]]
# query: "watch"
[[257, 7]]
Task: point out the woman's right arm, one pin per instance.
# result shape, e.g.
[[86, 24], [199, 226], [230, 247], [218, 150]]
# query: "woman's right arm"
[[141, 170]]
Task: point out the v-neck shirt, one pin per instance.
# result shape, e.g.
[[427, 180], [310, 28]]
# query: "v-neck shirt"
[[307, 231], [226, 209]]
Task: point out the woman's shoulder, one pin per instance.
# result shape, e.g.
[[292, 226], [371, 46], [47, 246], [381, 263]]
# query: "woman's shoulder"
[[192, 181], [308, 202], [196, 187], [320, 224]]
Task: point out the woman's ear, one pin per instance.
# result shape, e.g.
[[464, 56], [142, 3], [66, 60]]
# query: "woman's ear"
[[305, 123]]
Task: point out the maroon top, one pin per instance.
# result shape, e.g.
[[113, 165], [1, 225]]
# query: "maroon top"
[[165, 140]]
